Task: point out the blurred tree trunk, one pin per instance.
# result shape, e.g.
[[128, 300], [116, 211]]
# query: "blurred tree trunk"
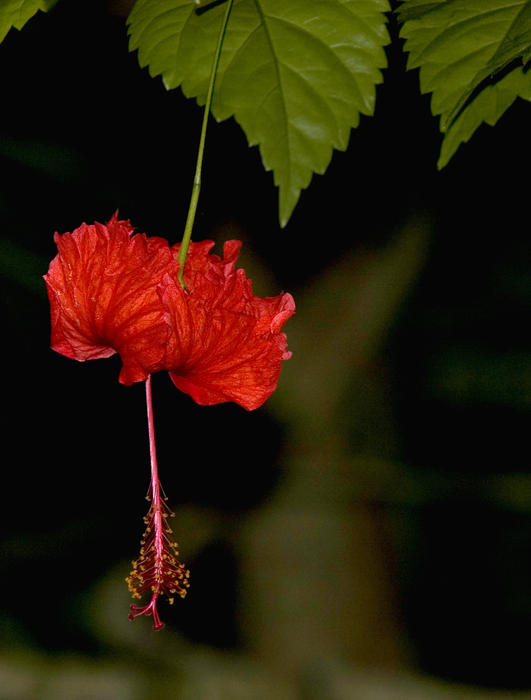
[[316, 577]]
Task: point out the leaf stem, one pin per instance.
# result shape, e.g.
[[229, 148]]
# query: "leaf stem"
[[185, 243]]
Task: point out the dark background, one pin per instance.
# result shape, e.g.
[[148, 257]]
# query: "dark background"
[[83, 132]]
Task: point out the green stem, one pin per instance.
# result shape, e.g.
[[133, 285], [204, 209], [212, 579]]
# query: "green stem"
[[185, 243]]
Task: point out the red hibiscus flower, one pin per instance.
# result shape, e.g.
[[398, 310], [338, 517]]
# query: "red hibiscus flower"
[[114, 292]]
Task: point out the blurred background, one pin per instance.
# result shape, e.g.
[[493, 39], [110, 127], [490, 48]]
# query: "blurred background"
[[367, 533]]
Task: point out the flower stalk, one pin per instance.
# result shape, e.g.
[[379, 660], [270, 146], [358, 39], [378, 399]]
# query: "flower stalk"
[[187, 235]]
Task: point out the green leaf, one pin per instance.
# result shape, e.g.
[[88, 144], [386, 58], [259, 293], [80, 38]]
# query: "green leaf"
[[295, 74], [466, 51], [488, 107], [15, 13]]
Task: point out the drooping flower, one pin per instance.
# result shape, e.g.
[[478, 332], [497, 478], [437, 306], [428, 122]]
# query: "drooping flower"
[[114, 292]]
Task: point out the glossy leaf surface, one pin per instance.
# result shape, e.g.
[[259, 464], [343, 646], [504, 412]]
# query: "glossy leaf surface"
[[470, 54]]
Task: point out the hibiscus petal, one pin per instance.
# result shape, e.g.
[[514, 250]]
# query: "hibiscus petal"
[[103, 295], [226, 343]]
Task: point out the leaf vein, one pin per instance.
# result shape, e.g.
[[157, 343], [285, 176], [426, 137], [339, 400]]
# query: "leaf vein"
[[450, 28], [319, 97], [328, 48], [277, 71]]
